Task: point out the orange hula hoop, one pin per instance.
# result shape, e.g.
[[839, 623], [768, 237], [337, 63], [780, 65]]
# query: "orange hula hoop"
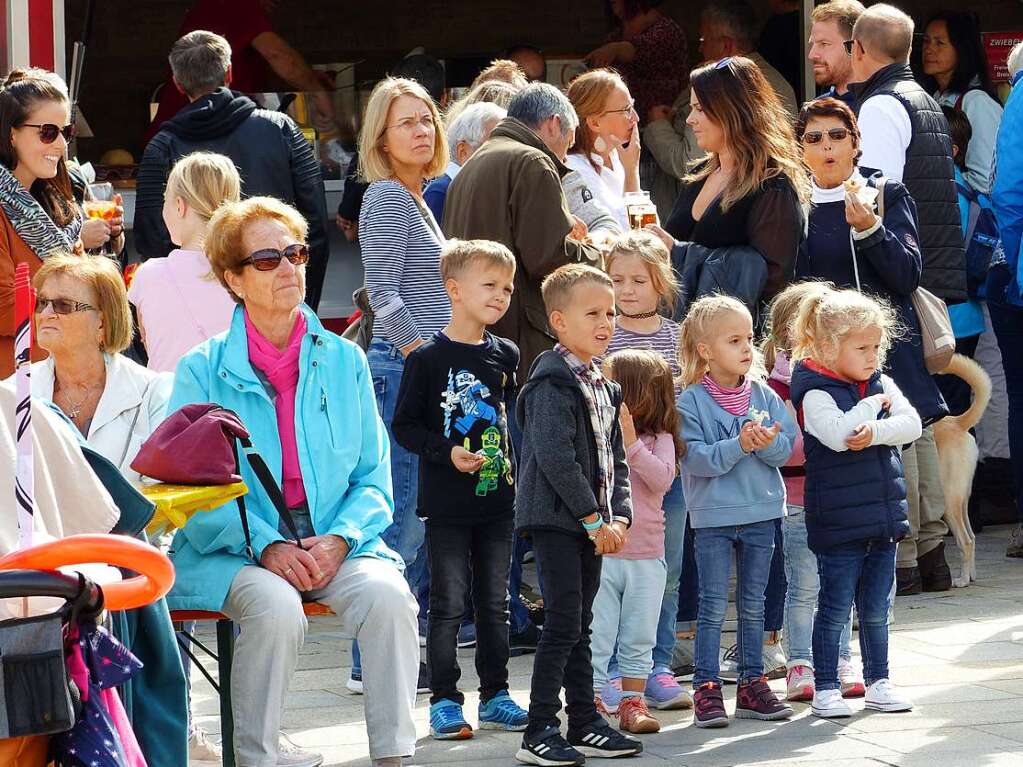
[[156, 573]]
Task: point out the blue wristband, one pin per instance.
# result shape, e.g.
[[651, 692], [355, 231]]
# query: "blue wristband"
[[593, 525]]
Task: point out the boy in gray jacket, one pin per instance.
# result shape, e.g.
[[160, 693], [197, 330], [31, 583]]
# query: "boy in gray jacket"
[[573, 499]]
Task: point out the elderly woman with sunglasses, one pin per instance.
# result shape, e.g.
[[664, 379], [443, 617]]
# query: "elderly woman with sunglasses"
[[307, 398], [38, 213], [850, 244]]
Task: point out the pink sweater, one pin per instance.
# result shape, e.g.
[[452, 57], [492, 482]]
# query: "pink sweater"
[[651, 472]]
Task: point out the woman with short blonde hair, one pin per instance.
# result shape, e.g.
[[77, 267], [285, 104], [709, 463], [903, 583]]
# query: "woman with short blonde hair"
[[374, 165]]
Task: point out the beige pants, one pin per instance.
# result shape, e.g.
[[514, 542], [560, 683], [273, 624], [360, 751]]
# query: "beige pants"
[[926, 500]]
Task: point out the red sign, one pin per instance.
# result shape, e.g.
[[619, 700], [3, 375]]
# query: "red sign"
[[998, 46]]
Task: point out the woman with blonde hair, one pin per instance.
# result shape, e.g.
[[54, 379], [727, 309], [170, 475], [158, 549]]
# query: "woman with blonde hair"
[[606, 148], [401, 146], [749, 189], [178, 301]]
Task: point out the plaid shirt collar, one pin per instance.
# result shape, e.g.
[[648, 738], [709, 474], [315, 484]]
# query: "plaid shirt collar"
[[590, 373]]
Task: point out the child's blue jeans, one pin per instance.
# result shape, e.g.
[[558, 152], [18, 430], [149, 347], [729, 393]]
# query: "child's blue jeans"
[[754, 546]]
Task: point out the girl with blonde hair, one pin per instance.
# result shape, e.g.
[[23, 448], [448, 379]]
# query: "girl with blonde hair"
[[855, 421], [178, 302]]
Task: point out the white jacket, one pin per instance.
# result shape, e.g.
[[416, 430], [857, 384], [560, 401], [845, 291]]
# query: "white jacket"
[[133, 404]]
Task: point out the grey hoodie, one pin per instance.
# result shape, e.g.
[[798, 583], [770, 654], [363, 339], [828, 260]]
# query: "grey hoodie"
[[558, 465]]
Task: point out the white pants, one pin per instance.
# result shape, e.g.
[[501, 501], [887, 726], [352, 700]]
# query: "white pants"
[[374, 604]]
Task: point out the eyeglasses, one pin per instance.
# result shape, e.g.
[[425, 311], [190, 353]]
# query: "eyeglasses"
[[409, 124], [268, 259], [48, 132], [848, 44], [835, 134], [61, 305], [627, 111]]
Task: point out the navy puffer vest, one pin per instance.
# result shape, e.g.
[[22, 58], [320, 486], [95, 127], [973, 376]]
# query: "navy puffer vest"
[[852, 495]]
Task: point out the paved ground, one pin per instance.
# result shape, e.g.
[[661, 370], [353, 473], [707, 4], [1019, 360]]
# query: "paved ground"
[[958, 654]]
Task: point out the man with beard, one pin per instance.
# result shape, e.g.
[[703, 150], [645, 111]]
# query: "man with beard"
[[832, 65]]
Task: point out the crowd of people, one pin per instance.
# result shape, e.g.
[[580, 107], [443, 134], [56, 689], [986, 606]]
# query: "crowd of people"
[[636, 405]]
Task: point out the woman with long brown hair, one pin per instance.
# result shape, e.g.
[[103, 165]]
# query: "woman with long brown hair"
[[749, 189]]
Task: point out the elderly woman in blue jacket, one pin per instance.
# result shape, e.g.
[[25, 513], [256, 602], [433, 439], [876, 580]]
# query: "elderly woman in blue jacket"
[[306, 397]]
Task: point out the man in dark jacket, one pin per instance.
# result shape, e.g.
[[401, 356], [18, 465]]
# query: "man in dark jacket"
[[272, 155], [905, 137]]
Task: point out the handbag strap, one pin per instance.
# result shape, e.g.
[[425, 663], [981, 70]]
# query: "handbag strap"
[[266, 479]]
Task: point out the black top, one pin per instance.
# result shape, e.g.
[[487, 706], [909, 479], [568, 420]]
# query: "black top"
[[770, 220], [455, 394]]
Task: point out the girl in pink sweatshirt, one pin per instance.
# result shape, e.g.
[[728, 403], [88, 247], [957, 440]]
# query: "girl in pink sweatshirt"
[[627, 606]]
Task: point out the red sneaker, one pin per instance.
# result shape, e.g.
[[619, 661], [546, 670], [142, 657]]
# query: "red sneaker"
[[755, 700], [709, 706]]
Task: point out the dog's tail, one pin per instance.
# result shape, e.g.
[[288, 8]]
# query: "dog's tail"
[[974, 375]]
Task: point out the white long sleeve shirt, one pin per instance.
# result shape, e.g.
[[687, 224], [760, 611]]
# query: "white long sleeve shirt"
[[826, 421], [885, 133]]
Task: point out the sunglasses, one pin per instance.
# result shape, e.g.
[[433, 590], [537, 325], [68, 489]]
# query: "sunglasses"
[[835, 134], [61, 305], [849, 44], [268, 259], [48, 132]]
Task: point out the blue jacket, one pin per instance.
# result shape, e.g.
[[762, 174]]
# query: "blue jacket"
[[1007, 192], [435, 194], [723, 485], [852, 495], [343, 448]]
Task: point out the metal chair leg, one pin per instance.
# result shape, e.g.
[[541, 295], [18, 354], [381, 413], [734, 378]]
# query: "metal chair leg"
[[225, 657]]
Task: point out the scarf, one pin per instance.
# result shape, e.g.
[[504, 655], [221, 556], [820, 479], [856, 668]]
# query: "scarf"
[[782, 370], [735, 401], [31, 222], [281, 370], [601, 411]]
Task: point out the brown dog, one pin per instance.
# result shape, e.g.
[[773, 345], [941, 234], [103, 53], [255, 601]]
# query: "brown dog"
[[957, 458]]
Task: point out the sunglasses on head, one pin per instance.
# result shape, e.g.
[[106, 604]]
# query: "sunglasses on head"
[[835, 134], [61, 305], [268, 259], [48, 132]]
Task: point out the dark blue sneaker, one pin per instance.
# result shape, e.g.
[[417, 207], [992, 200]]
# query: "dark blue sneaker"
[[549, 749], [447, 721], [502, 713], [466, 636], [600, 740]]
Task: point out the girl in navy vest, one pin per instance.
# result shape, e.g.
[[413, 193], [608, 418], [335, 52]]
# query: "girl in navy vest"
[[854, 422], [737, 433]]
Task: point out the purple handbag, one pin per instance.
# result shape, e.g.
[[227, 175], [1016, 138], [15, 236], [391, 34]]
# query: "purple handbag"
[[194, 446]]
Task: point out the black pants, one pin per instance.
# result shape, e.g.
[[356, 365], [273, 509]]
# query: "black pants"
[[466, 558], [571, 578]]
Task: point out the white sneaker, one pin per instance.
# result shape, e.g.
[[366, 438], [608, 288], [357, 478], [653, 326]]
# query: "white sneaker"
[[828, 704], [850, 679], [799, 684], [354, 682], [775, 661], [884, 696], [290, 755], [202, 749]]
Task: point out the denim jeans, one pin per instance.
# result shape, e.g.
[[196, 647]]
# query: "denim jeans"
[[860, 572], [754, 547], [1007, 322], [777, 584], [675, 515], [801, 597], [563, 659], [406, 532], [519, 613], [468, 559]]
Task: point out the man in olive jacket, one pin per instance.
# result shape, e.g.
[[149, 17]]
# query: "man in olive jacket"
[[510, 191]]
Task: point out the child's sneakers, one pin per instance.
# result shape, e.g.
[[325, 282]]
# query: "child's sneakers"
[[882, 695], [828, 704], [502, 713], [664, 693], [599, 740], [634, 716], [709, 706], [799, 684], [610, 696], [549, 749], [850, 679], [447, 721], [755, 700]]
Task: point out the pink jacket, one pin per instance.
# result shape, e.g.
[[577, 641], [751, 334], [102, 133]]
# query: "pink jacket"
[[651, 471]]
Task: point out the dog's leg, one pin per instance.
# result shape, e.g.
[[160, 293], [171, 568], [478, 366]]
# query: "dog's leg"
[[956, 517]]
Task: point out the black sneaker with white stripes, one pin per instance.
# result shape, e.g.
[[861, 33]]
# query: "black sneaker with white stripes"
[[549, 749], [601, 741]]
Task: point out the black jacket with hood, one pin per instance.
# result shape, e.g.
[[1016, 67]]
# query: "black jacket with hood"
[[272, 157], [558, 466]]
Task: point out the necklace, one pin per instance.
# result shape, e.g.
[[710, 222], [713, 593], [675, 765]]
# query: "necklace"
[[640, 316], [75, 408]]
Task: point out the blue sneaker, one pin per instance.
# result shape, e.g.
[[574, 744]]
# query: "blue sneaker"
[[447, 721], [502, 713], [466, 636]]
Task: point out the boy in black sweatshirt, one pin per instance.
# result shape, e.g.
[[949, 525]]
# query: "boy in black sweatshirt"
[[452, 411], [574, 501]]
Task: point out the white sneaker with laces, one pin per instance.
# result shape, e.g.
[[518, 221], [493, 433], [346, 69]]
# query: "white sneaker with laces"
[[202, 749], [290, 755], [850, 679], [828, 704], [884, 696]]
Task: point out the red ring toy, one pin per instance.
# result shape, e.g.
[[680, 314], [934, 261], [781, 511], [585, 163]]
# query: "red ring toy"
[[156, 571]]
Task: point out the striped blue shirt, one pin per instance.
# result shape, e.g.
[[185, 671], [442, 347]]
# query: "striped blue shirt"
[[401, 259]]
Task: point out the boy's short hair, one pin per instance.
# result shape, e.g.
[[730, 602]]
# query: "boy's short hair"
[[557, 286], [459, 255]]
